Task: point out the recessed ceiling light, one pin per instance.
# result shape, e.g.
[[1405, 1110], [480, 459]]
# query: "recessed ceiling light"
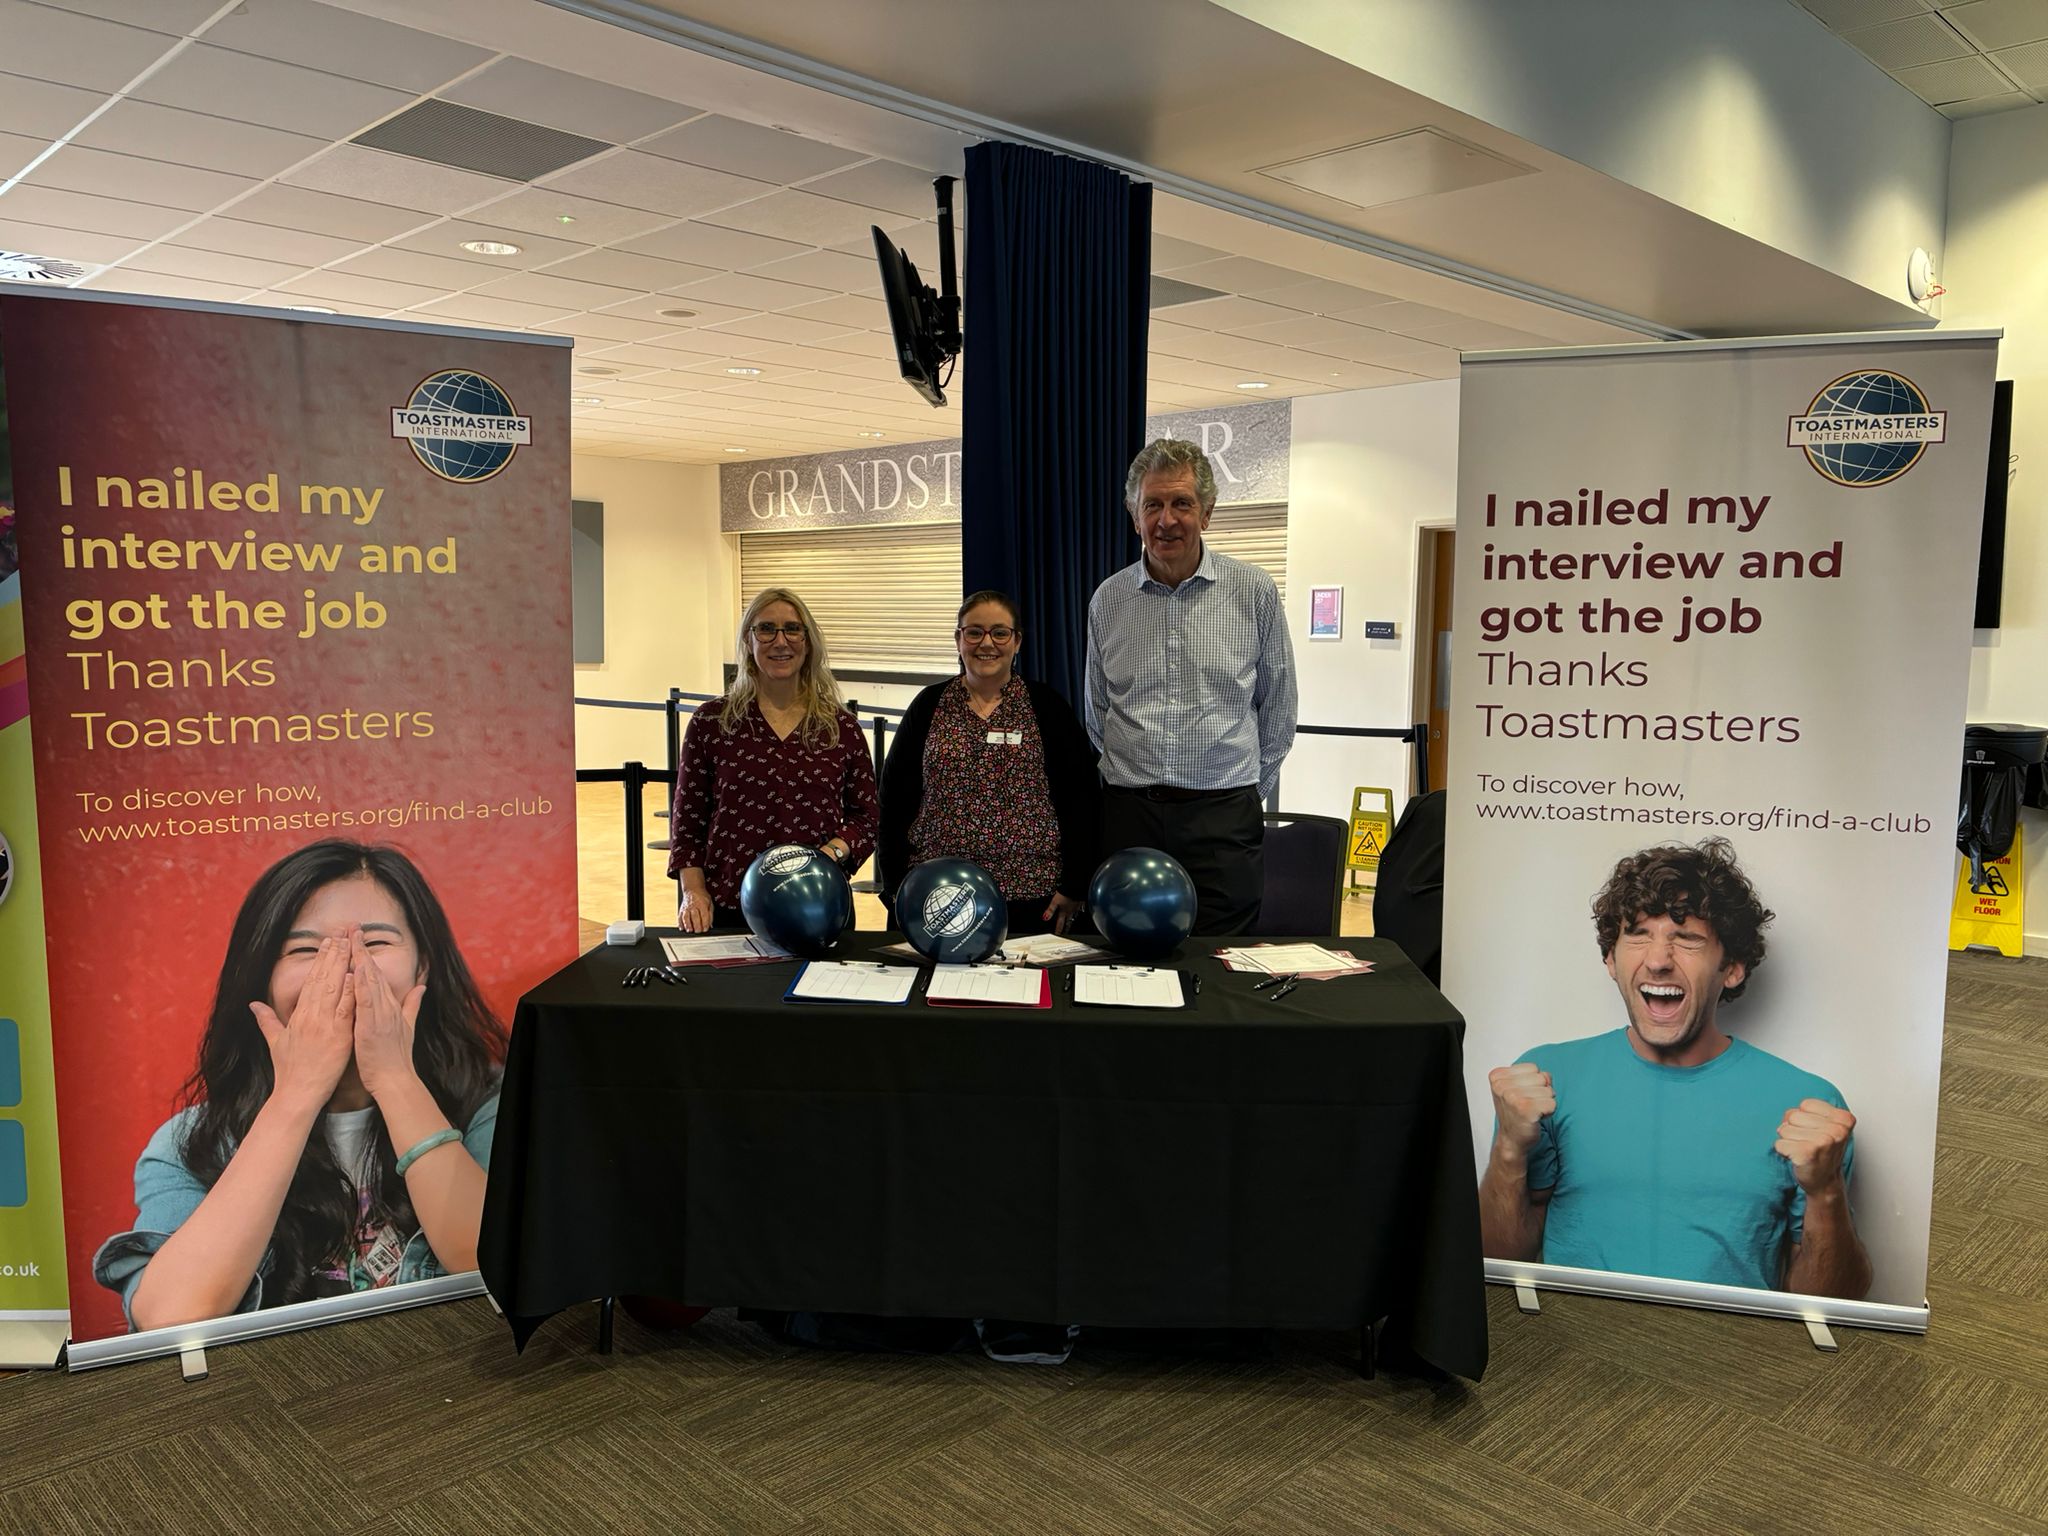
[[679, 314], [867, 434], [491, 247], [310, 309], [735, 450], [586, 400], [603, 373], [1254, 384], [745, 373], [565, 218]]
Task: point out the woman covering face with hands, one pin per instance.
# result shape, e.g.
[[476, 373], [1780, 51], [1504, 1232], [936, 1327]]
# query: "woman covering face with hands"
[[338, 1125]]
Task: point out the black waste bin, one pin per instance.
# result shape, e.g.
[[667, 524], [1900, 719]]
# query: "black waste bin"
[[2002, 770]]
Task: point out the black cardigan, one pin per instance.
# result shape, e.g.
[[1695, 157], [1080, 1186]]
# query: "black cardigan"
[[1069, 771]]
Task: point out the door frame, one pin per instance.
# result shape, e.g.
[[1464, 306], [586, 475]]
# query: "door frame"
[[1421, 624]]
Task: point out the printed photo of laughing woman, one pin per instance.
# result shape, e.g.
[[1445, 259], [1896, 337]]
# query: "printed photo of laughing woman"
[[337, 1126]]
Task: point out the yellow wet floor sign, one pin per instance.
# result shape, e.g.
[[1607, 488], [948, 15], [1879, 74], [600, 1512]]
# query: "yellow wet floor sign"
[[1372, 823], [1989, 918]]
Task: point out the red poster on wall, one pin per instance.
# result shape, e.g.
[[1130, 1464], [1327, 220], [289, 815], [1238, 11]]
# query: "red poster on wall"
[[296, 607]]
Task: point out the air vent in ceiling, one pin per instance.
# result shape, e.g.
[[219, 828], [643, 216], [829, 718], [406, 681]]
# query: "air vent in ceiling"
[[1419, 163], [484, 142], [1167, 291], [19, 267]]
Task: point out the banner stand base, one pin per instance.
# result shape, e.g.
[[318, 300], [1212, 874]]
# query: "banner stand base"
[[196, 1337], [1526, 1298], [34, 1342], [1823, 1338], [1811, 1310]]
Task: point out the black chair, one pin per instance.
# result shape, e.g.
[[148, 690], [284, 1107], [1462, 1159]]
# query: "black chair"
[[1304, 891], [1408, 898]]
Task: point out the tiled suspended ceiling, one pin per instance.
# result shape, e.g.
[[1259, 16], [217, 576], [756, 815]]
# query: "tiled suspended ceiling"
[[717, 274], [1963, 60]]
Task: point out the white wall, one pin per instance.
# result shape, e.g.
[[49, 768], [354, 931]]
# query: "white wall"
[[668, 605], [1747, 112], [1367, 469], [1998, 228]]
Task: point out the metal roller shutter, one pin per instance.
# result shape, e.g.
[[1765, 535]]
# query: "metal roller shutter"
[[1255, 534], [885, 597]]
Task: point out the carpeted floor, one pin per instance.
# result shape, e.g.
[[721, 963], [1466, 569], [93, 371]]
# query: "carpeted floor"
[[1595, 1417]]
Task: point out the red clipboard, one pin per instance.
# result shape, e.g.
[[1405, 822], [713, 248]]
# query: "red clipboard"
[[1044, 997]]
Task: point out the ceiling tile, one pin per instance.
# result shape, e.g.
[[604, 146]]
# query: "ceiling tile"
[[1179, 370], [350, 170], [644, 274], [745, 291], [252, 90], [1227, 314], [1957, 79], [1320, 296], [784, 328], [1923, 39], [470, 309], [1481, 335], [371, 292], [540, 211], [143, 128], [2027, 64], [16, 150], [884, 184], [93, 215], [635, 180], [125, 280], [1169, 254], [619, 328], [846, 310], [1240, 274], [708, 245], [42, 109], [342, 43], [808, 218], [746, 149], [1430, 363], [1842, 15], [1339, 338], [1995, 24], [246, 272], [64, 244], [1983, 106], [324, 213], [835, 270], [104, 174], [72, 49], [170, 16], [446, 238], [534, 93], [651, 307], [1170, 340], [1405, 318], [558, 293], [298, 247], [400, 266]]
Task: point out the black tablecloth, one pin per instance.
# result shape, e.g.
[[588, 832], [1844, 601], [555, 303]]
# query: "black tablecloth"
[[1243, 1162]]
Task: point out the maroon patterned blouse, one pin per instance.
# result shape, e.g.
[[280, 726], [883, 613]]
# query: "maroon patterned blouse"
[[986, 796], [737, 795]]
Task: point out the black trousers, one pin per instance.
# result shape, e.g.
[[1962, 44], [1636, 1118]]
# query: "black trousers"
[[1220, 839]]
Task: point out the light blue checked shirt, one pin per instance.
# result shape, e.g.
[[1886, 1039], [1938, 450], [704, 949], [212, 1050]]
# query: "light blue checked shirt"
[[1191, 685]]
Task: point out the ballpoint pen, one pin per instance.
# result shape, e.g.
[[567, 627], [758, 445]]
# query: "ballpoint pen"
[[1280, 992], [1275, 981]]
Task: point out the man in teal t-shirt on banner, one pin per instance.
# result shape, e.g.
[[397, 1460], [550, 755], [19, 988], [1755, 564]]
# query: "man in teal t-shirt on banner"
[[1651, 1150]]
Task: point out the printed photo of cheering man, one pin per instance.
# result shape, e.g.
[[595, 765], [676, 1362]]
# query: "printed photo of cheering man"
[[1668, 1146]]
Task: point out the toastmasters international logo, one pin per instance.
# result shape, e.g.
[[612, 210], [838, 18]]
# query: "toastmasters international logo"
[[1867, 428], [461, 425]]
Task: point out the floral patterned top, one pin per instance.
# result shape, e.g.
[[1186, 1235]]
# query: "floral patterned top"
[[986, 796]]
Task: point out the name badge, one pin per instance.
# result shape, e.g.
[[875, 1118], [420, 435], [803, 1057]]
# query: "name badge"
[[1005, 738]]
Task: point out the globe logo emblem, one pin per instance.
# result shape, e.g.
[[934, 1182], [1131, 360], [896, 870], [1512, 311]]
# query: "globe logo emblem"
[[786, 859], [461, 425], [949, 911], [1867, 428]]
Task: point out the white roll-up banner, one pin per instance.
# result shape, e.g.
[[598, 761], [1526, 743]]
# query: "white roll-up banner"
[[1713, 626]]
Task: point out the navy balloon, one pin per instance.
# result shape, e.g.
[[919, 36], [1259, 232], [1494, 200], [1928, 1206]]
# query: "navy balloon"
[[797, 898], [1142, 901], [952, 911]]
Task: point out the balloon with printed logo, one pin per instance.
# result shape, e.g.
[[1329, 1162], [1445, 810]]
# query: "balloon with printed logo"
[[797, 898], [1143, 902], [952, 911]]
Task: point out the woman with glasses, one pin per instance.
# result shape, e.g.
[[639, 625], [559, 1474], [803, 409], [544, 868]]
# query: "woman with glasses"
[[989, 767], [777, 760]]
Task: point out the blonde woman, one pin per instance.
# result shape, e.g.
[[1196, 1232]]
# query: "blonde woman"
[[777, 760]]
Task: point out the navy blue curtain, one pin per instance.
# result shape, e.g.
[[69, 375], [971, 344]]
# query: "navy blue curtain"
[[1059, 258]]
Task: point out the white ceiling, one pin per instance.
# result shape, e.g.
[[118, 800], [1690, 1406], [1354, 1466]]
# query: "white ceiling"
[[197, 149], [1963, 60]]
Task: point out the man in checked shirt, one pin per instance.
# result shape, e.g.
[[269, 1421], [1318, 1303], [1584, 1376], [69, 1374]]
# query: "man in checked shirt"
[[1191, 692]]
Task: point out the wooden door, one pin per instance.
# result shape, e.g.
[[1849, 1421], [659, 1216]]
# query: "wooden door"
[[1443, 561]]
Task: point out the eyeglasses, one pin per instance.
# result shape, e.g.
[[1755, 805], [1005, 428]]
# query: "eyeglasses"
[[974, 634], [765, 632]]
